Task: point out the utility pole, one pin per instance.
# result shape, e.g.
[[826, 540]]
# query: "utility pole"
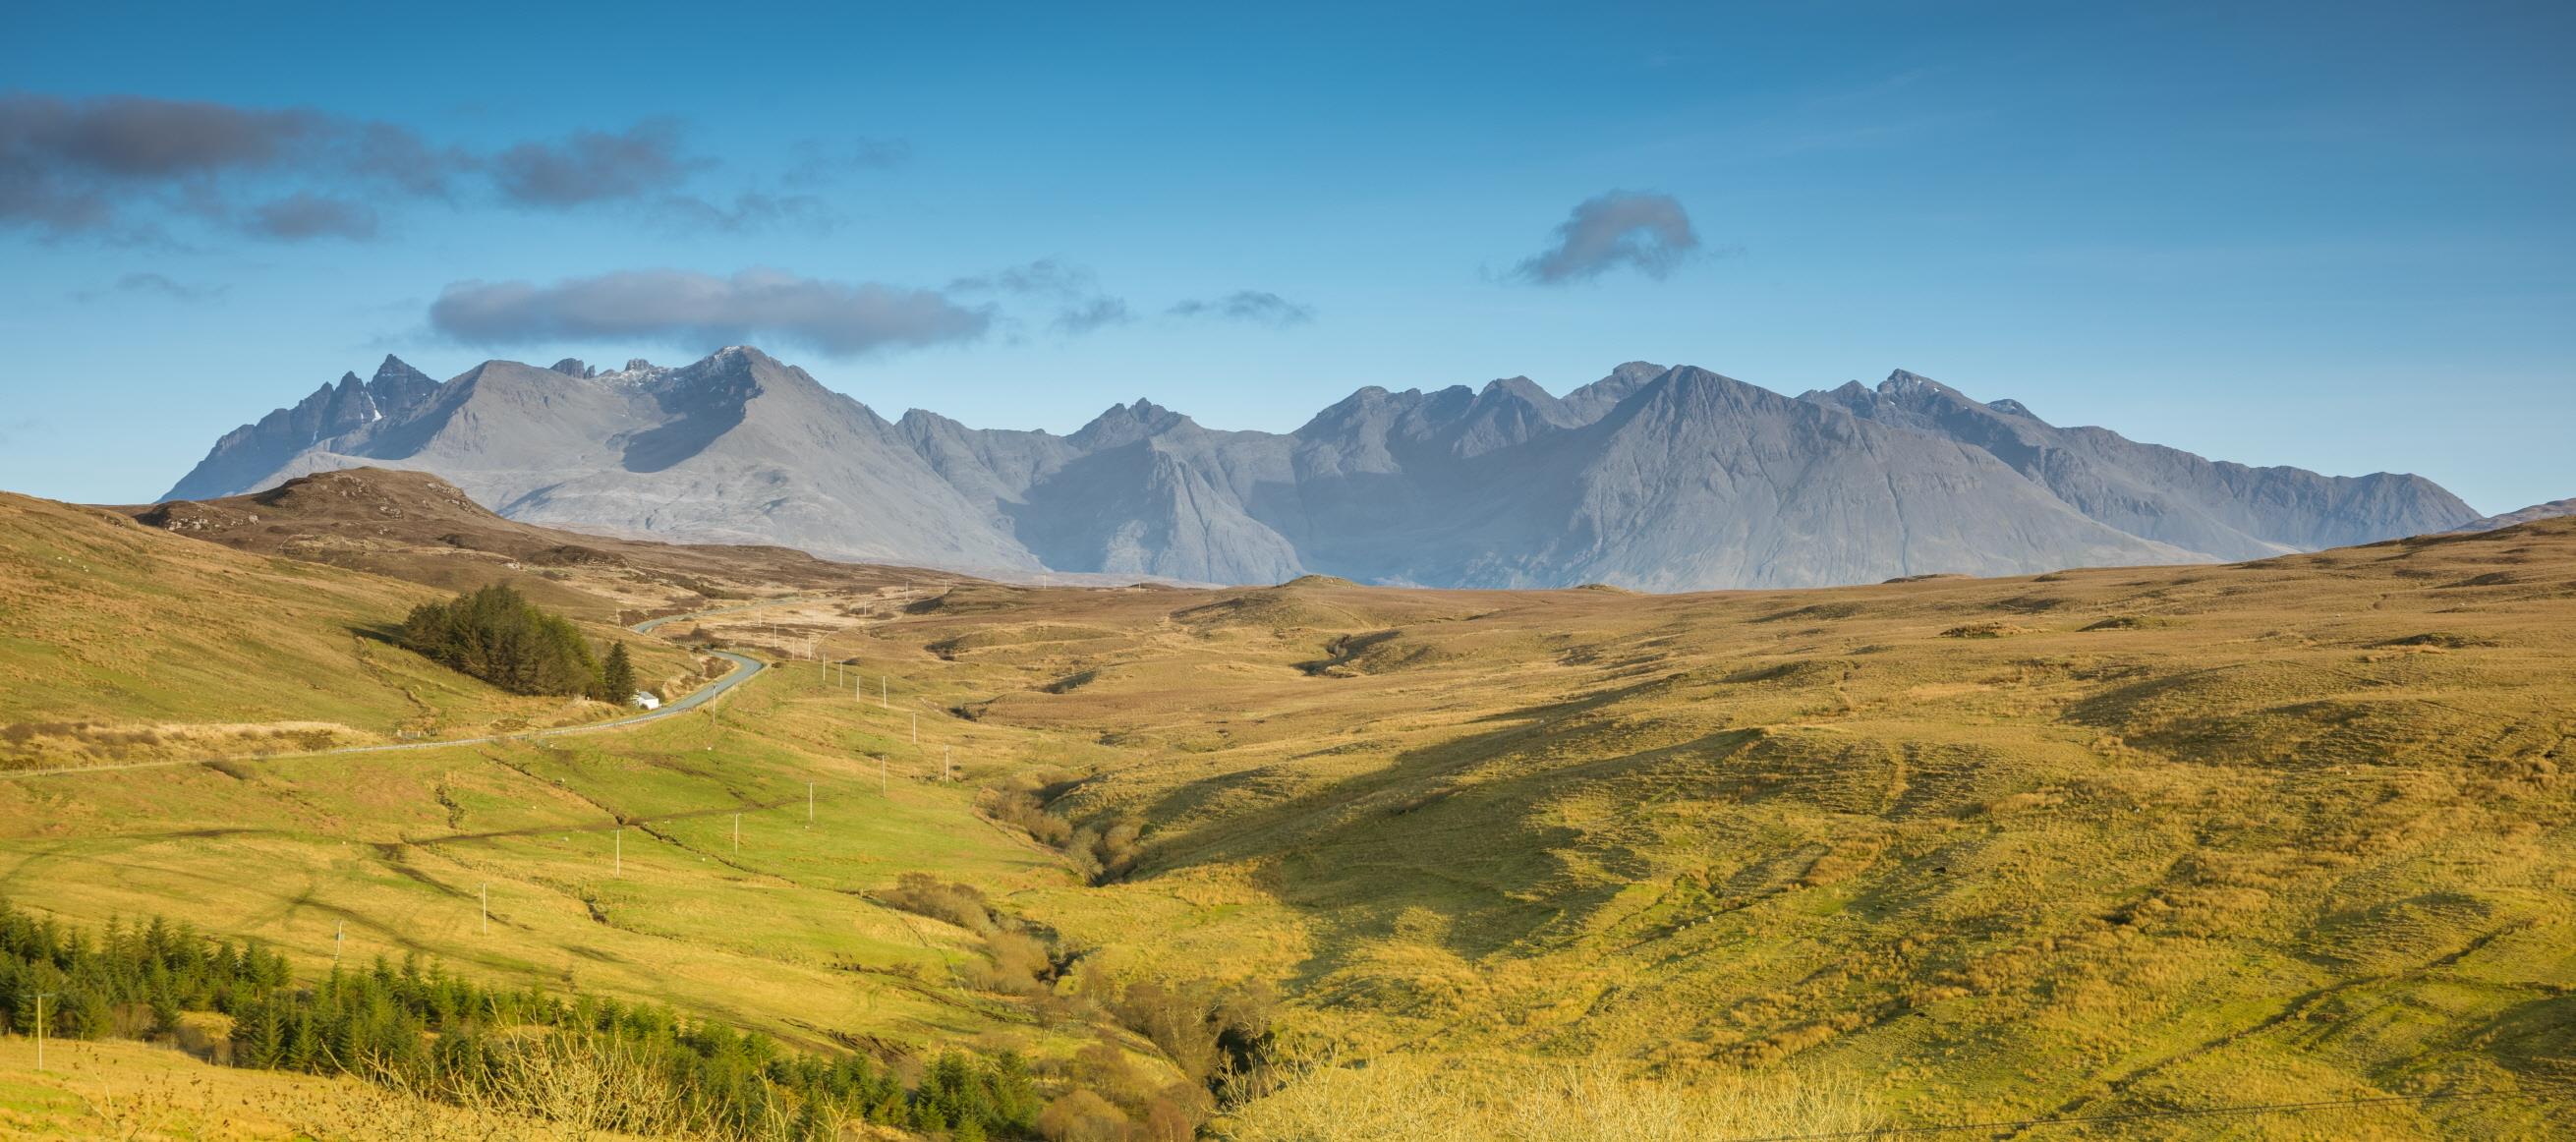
[[338, 934], [885, 687], [943, 763], [916, 729], [41, 997], [883, 789], [737, 834], [617, 853], [809, 802]]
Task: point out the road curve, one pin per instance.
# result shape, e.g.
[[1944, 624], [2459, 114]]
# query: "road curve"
[[744, 667]]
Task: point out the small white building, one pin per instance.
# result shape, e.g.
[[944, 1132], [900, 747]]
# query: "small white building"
[[646, 699]]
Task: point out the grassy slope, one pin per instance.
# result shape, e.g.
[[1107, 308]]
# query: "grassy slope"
[[394, 849], [2092, 841], [137, 1093], [2260, 835], [137, 632]]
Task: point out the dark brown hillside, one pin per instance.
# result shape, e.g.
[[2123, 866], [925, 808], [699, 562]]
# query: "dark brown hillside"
[[416, 526]]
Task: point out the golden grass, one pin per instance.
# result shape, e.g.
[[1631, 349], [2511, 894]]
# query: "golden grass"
[[121, 643], [1414, 1098], [138, 1093], [2178, 837]]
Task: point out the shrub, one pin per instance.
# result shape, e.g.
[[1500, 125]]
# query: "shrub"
[[1082, 1116], [925, 895], [1206, 1027]]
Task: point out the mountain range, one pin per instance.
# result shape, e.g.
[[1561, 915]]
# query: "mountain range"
[[1652, 477]]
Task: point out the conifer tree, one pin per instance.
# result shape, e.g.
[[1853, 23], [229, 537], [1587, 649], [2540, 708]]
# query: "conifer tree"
[[617, 677]]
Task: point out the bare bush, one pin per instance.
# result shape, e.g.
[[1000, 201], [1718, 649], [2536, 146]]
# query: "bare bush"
[[1082, 1116], [925, 895]]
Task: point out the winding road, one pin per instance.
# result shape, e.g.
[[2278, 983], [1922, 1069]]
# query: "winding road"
[[744, 667]]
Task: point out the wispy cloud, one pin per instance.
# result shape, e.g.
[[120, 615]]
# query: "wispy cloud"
[[160, 285], [1647, 232], [1090, 314], [700, 311], [821, 162], [750, 210], [1080, 304], [1253, 305]]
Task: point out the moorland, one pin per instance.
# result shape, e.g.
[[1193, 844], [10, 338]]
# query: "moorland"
[[1323, 860]]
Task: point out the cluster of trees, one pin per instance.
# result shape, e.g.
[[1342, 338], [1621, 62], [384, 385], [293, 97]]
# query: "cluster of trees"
[[497, 635], [425, 1030]]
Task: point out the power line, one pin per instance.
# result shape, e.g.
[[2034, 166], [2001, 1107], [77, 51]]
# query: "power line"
[[2544, 1090]]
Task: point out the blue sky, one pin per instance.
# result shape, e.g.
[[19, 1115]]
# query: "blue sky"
[[2330, 235]]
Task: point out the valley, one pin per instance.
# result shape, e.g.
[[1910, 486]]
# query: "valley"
[[1949, 849]]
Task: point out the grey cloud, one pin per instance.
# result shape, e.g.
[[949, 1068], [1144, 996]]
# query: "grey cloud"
[[1253, 305], [401, 159], [153, 283], [702, 311], [595, 166], [820, 162], [300, 216], [71, 167], [1648, 232], [114, 167], [130, 137]]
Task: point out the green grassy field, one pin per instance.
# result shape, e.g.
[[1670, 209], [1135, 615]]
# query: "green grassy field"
[[122, 643], [2090, 843]]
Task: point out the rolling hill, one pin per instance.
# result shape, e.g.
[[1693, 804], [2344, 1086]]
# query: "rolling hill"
[[120, 642], [2108, 841], [415, 526]]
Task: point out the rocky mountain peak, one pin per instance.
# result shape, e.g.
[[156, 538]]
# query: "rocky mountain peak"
[[574, 367], [1521, 389], [916, 419], [394, 370], [1903, 384], [1693, 385], [1124, 424], [1587, 404], [1663, 478]]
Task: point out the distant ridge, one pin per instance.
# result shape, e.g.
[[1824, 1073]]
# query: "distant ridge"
[[2228, 510], [2551, 510], [1652, 478]]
